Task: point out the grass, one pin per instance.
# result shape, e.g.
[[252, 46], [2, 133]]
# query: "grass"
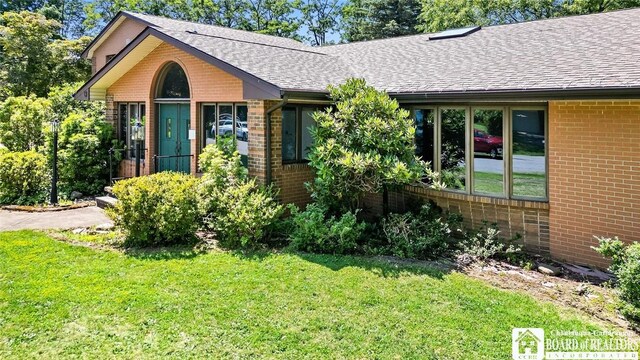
[[64, 301], [524, 184]]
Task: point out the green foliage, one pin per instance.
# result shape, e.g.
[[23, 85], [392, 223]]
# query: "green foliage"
[[241, 214], [64, 104], [378, 19], [486, 243], [320, 17], [34, 58], [237, 209], [626, 266], [24, 178], [22, 120], [425, 234], [273, 17], [315, 231], [158, 209], [438, 15], [84, 141], [366, 146]]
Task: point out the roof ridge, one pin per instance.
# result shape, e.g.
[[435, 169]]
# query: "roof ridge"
[[136, 14], [253, 42]]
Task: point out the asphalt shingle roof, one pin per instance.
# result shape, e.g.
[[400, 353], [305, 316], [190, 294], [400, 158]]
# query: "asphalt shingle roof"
[[580, 52]]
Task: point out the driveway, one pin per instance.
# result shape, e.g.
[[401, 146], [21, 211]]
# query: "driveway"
[[521, 164], [66, 219]]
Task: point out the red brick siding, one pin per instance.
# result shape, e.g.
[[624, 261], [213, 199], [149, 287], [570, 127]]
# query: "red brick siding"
[[207, 84], [594, 187], [116, 41]]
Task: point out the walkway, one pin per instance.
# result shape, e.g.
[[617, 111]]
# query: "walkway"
[[66, 219]]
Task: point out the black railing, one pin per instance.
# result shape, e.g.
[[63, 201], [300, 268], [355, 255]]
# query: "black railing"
[[180, 163], [125, 163]]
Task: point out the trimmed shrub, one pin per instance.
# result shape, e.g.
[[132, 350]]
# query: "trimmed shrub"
[[425, 234], [315, 231], [626, 266], [24, 178], [241, 212], [84, 142], [241, 215], [157, 209]]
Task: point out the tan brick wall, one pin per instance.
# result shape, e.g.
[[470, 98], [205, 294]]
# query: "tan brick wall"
[[594, 187], [116, 41], [289, 178], [528, 219], [207, 84]]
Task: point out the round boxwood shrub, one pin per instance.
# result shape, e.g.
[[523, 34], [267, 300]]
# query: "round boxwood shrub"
[[158, 209], [24, 178]]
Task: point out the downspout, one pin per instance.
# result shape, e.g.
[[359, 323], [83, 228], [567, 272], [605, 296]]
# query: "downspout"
[[285, 100]]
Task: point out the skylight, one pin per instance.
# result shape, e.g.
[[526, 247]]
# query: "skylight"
[[454, 33]]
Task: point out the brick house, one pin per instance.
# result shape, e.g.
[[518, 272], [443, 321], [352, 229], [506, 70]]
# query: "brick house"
[[535, 126]]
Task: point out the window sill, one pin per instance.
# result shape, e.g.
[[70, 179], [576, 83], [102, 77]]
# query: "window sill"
[[295, 165], [485, 199]]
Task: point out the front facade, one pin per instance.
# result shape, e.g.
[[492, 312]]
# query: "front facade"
[[547, 150]]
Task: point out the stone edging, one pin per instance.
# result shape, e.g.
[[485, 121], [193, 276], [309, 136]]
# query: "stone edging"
[[26, 208]]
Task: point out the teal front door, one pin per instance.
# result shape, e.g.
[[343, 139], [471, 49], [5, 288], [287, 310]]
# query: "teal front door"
[[174, 148]]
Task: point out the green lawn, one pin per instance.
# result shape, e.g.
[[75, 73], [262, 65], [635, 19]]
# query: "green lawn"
[[524, 184], [59, 300]]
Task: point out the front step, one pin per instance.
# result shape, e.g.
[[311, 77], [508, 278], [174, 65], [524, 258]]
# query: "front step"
[[109, 191], [104, 202]]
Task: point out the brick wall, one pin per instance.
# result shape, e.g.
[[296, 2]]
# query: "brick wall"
[[207, 84], [116, 41], [528, 219], [594, 187], [289, 178]]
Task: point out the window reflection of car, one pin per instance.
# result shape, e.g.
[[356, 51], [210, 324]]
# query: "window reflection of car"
[[242, 130], [225, 123], [488, 144]]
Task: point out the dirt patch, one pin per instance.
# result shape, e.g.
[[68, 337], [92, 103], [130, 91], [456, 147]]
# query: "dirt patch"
[[596, 300]]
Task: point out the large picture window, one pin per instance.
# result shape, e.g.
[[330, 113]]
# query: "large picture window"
[[128, 115], [297, 122], [494, 151], [221, 119]]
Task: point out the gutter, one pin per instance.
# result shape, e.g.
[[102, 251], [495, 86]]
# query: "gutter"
[[285, 100]]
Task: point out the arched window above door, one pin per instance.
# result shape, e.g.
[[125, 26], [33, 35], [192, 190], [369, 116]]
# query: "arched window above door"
[[173, 83]]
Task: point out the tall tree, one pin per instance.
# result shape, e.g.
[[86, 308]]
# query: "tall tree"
[[438, 15], [69, 13], [33, 58], [99, 12], [228, 13], [273, 17], [377, 19], [320, 17]]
